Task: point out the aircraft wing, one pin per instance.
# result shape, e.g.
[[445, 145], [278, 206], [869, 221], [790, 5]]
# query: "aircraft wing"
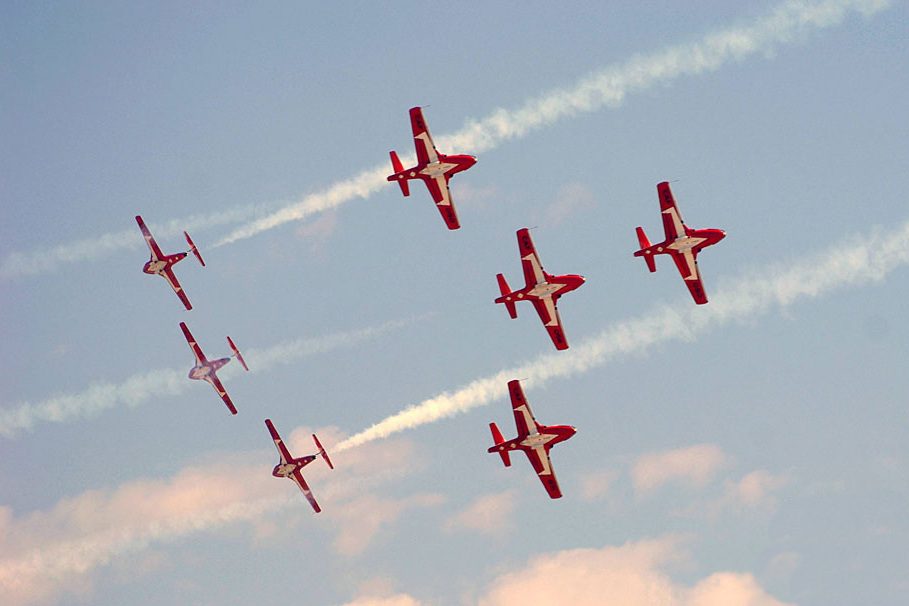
[[530, 260], [197, 351], [298, 478], [216, 383], [523, 417], [152, 245], [688, 267], [426, 149], [279, 443], [673, 224], [549, 314], [539, 458], [171, 278], [441, 195]]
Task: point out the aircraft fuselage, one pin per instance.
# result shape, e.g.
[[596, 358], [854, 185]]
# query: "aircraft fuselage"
[[285, 470], [201, 372], [556, 286], [446, 166], [695, 239], [157, 266], [546, 436]]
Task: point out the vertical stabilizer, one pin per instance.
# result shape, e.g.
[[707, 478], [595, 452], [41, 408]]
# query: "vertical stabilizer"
[[498, 439], [644, 252], [505, 290], [399, 168]]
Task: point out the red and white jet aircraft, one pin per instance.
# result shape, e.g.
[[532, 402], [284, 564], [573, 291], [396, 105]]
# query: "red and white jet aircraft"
[[206, 370], [542, 289], [682, 243], [162, 264], [534, 439], [433, 168], [290, 467]]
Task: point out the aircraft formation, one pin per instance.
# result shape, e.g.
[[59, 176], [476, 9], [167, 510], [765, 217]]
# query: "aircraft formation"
[[541, 288]]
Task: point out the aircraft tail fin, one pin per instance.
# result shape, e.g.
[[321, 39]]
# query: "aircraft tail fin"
[[645, 244], [497, 437], [505, 290], [399, 168], [322, 451]]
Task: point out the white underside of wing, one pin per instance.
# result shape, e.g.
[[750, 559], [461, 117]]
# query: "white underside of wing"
[[443, 187], [537, 268], [426, 141], [551, 310], [692, 266], [676, 221], [544, 461]]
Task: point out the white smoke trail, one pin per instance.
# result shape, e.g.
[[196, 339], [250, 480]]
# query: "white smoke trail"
[[608, 87], [20, 264], [854, 261], [168, 382]]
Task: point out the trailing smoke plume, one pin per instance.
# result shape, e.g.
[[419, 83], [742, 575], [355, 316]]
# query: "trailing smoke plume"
[[168, 382], [608, 87], [857, 260]]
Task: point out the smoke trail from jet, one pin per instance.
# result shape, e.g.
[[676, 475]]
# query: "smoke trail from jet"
[[20, 264], [168, 382], [608, 87], [854, 261]]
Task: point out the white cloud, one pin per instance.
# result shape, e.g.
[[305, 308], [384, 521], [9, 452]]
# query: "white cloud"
[[597, 484], [489, 514], [571, 199], [48, 553], [633, 574], [395, 600], [360, 519], [317, 233], [756, 489], [692, 466]]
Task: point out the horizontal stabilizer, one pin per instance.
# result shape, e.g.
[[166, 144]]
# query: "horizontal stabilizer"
[[400, 178], [237, 353], [498, 439], [644, 252], [193, 248], [322, 451], [505, 290]]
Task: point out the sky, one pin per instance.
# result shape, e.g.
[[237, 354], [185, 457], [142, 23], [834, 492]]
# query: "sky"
[[750, 451]]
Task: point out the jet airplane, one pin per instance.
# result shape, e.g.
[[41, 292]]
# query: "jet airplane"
[[433, 168], [162, 264], [206, 370], [542, 289], [534, 439], [682, 243], [290, 467]]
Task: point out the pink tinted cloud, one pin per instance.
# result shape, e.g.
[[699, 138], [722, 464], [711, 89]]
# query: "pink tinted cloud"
[[489, 514], [46, 553], [633, 574], [693, 466]]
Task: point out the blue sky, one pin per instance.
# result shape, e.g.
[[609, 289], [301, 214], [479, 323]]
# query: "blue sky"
[[750, 449]]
